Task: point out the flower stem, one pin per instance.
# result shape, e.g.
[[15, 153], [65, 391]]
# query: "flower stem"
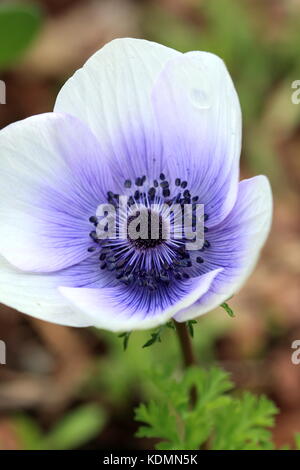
[[187, 353], [185, 344]]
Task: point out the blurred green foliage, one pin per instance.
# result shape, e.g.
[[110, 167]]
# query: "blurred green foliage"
[[19, 25], [73, 430]]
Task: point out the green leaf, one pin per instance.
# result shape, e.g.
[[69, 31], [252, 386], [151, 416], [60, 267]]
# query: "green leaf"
[[125, 336], [75, 429], [218, 419], [155, 336], [244, 424], [190, 325], [228, 309], [19, 25]]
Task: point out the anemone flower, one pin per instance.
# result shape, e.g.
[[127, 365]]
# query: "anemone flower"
[[157, 126]]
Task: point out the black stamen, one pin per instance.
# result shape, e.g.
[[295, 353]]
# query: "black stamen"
[[93, 235], [121, 263], [93, 219], [151, 192], [164, 184]]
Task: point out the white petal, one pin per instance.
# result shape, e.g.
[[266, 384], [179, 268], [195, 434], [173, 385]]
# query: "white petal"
[[112, 94], [37, 295]]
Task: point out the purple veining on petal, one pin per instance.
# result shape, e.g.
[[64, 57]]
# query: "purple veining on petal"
[[201, 141], [48, 215], [236, 242]]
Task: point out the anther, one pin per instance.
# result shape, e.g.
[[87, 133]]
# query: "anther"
[[93, 219], [151, 192], [120, 263], [164, 184], [178, 276], [93, 235]]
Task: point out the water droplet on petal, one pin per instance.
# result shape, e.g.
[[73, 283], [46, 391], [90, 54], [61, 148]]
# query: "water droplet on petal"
[[200, 98]]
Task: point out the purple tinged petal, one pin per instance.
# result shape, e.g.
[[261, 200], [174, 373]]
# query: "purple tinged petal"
[[52, 181], [200, 121], [111, 314], [236, 243]]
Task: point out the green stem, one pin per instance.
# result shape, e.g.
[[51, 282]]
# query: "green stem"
[[187, 353], [185, 344]]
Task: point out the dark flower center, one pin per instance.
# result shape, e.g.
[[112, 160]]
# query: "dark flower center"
[[141, 259], [150, 219]]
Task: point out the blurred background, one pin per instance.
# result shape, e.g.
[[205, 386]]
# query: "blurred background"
[[76, 388]]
